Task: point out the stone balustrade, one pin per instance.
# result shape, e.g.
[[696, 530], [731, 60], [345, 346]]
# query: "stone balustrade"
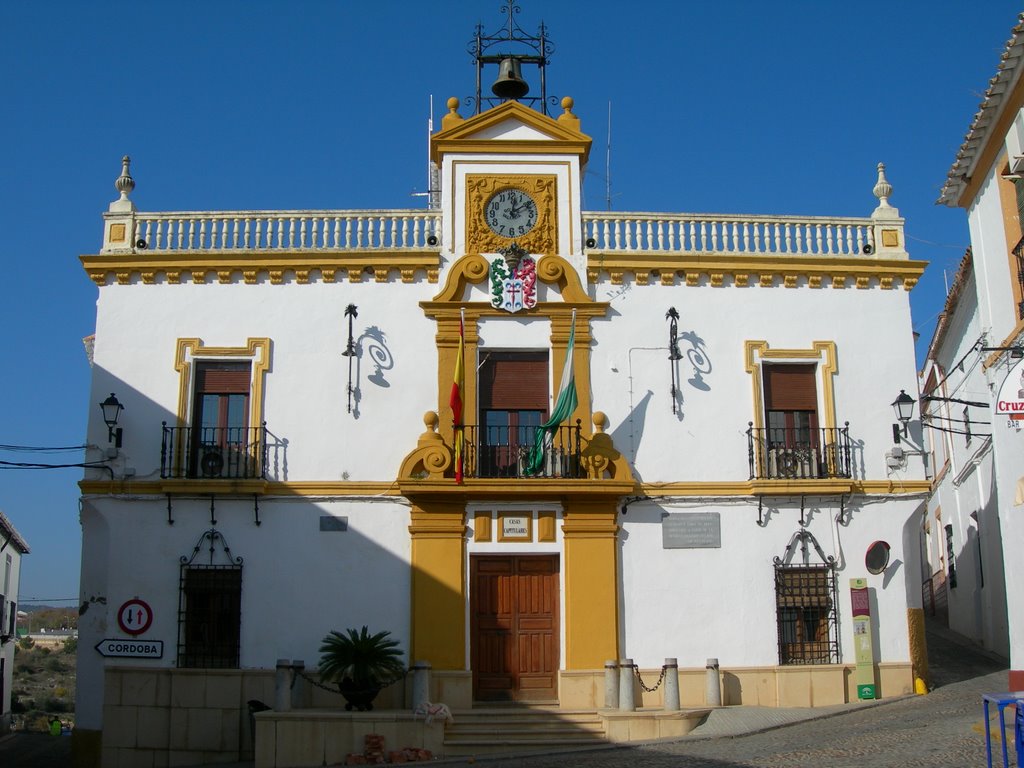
[[282, 231], [731, 234]]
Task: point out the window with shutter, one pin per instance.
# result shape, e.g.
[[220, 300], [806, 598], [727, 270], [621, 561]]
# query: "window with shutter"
[[791, 419], [513, 401], [220, 429]]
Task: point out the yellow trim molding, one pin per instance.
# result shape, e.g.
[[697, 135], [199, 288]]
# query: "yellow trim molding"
[[665, 267], [821, 351], [358, 489], [257, 350], [198, 266]]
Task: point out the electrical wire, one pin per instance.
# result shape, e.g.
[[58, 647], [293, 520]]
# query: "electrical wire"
[[38, 449], [957, 364]]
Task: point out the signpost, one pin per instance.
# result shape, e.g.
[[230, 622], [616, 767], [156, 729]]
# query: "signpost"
[[130, 649], [862, 646], [134, 617]]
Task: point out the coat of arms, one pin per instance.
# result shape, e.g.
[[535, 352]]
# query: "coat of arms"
[[513, 280]]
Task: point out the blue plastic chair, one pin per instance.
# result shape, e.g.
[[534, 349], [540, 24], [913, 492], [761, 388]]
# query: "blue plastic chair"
[[1018, 732]]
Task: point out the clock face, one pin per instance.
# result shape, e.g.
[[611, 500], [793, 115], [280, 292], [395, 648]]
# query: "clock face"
[[510, 213]]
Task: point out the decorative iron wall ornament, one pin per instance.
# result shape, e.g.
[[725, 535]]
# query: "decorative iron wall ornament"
[[674, 355], [213, 536], [803, 537], [351, 312], [513, 277]]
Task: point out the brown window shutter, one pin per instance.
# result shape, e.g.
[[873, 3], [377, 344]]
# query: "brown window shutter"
[[790, 387], [514, 381], [222, 378]]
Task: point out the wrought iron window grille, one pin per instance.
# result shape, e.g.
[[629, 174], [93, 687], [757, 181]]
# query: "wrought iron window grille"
[[210, 605], [806, 599]]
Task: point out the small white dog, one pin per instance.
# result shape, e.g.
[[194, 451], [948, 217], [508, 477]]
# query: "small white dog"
[[429, 712]]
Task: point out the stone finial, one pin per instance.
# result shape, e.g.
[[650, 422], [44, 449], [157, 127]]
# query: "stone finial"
[[453, 117], [883, 189], [600, 422], [567, 117], [125, 183]]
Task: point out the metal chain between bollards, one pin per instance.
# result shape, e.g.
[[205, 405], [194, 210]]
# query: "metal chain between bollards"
[[661, 678], [334, 688]]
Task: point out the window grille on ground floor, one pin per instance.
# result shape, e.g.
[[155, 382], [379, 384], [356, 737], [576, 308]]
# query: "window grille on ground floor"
[[805, 599], [209, 616]]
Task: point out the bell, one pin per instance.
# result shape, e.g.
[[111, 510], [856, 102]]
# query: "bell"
[[510, 83]]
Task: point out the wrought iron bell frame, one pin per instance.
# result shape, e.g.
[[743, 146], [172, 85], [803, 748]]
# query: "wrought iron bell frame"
[[539, 47]]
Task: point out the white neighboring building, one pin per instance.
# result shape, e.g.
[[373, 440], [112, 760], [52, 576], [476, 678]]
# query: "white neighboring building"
[[973, 379], [713, 493], [12, 547]]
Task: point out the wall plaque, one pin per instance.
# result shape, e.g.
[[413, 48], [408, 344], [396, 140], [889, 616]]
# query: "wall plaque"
[[691, 530], [516, 527]]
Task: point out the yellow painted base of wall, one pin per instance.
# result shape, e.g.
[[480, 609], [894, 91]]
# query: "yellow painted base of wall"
[[782, 686]]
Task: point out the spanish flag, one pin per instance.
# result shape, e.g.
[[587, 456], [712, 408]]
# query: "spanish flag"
[[455, 401]]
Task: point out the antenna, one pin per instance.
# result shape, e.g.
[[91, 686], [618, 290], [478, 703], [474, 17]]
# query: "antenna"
[[433, 193], [608, 163]]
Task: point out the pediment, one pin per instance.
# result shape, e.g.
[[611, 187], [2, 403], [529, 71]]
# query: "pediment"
[[511, 127]]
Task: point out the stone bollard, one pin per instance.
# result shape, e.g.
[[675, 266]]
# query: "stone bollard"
[[298, 667], [611, 684], [627, 701], [713, 689], [420, 684], [282, 686], [671, 685]]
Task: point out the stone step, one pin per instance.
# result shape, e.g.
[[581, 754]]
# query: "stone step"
[[520, 730]]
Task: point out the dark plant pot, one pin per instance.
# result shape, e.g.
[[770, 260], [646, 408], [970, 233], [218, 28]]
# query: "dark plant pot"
[[358, 696]]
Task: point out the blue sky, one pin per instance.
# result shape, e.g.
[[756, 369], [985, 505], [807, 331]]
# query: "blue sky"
[[727, 107]]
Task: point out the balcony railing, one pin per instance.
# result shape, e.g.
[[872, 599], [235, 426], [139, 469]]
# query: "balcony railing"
[[214, 453], [284, 230], [729, 234], [799, 454], [509, 452]]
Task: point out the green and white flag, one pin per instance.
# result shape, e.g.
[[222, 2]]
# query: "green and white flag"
[[564, 407]]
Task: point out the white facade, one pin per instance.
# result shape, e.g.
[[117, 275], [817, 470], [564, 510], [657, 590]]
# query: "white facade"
[[974, 351], [354, 517], [12, 547]]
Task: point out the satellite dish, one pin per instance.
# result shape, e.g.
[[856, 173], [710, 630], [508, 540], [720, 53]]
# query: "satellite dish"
[[877, 557]]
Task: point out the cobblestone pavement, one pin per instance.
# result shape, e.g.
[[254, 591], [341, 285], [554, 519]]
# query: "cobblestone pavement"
[[943, 729]]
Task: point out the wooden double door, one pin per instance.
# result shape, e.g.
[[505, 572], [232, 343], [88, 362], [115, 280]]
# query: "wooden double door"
[[514, 610]]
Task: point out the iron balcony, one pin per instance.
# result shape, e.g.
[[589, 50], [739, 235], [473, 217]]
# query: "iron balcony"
[[214, 453], [490, 452], [799, 454]]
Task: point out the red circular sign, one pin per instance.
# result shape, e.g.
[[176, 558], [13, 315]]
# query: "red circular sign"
[[134, 617]]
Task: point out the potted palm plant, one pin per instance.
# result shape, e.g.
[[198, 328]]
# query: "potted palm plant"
[[361, 664]]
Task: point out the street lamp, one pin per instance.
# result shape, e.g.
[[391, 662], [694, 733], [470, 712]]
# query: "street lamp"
[[904, 407], [112, 408]]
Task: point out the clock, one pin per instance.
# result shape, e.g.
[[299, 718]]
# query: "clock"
[[510, 213]]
